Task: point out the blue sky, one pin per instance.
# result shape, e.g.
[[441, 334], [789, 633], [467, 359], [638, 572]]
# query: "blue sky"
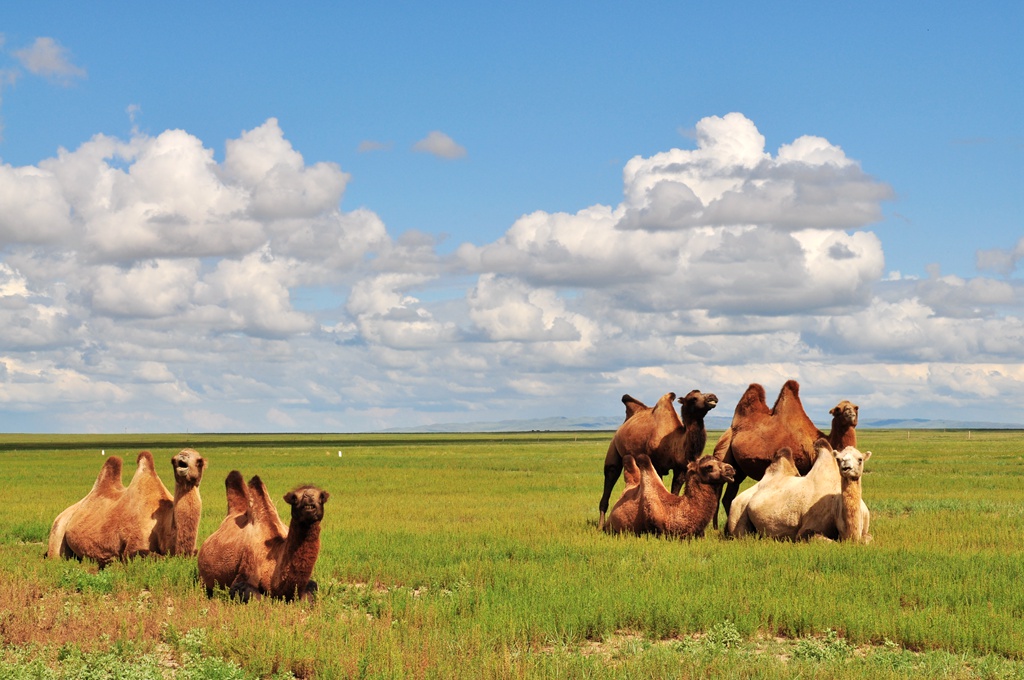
[[458, 213]]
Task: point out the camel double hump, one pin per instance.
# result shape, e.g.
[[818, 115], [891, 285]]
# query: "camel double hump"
[[749, 444], [826, 503], [114, 522], [253, 553], [658, 433]]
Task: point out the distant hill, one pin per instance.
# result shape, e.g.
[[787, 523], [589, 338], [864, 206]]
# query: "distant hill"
[[597, 423]]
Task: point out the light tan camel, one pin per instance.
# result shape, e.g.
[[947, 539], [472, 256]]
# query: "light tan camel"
[[114, 522], [646, 506], [757, 432], [781, 466], [826, 503], [252, 553], [659, 434]]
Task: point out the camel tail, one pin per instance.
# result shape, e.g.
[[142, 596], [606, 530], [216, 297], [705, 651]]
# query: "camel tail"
[[238, 498]]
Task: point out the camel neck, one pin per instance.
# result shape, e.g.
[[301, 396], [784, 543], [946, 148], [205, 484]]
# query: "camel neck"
[[842, 435], [188, 508], [302, 547], [697, 437], [850, 499]]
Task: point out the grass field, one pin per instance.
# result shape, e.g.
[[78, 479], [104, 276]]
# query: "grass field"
[[469, 556]]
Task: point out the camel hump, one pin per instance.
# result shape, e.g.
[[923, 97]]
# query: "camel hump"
[[108, 482], [238, 498], [630, 472], [632, 405], [784, 452], [754, 401], [788, 396], [643, 462], [145, 461], [261, 507]]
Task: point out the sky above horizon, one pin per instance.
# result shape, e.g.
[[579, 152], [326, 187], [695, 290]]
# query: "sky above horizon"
[[314, 217]]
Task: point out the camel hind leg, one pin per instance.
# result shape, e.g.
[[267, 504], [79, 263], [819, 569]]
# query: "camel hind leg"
[[723, 452]]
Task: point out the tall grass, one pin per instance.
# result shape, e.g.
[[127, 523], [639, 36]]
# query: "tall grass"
[[478, 556]]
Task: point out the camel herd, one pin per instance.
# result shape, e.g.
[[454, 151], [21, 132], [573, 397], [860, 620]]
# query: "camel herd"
[[252, 553], [809, 485]]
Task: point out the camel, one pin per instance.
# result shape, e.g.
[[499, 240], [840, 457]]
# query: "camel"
[[114, 522], [826, 503], [646, 506], [658, 433], [757, 432], [253, 553]]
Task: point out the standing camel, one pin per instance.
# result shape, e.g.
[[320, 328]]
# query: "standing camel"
[[659, 434]]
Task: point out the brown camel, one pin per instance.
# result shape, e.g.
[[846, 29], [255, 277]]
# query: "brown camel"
[[646, 506], [114, 522], [825, 503], [658, 433], [252, 553], [757, 432]]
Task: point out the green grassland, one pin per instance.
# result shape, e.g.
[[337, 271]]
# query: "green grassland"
[[469, 556]]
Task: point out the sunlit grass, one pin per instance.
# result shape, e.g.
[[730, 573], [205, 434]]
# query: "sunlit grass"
[[478, 556]]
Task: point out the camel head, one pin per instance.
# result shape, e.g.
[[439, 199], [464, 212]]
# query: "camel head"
[[851, 462], [696, 404], [188, 466], [307, 503], [846, 412], [710, 470]]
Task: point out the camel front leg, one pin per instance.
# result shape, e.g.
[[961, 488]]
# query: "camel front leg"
[[678, 477], [612, 471], [731, 489]]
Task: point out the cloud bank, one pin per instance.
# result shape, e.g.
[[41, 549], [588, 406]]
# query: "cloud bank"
[[146, 286]]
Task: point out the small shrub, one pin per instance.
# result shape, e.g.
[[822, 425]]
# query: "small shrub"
[[832, 648]]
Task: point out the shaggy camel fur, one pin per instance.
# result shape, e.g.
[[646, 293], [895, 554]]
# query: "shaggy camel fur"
[[252, 552], [757, 432], [825, 503], [114, 522], [646, 506], [658, 433]]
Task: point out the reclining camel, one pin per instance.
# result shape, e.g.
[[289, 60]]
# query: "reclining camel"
[[253, 553], [114, 522], [646, 506], [658, 433], [757, 432], [826, 503]]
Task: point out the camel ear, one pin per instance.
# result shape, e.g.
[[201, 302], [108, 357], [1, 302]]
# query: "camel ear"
[[834, 411], [289, 498], [867, 454], [692, 467], [323, 497]]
